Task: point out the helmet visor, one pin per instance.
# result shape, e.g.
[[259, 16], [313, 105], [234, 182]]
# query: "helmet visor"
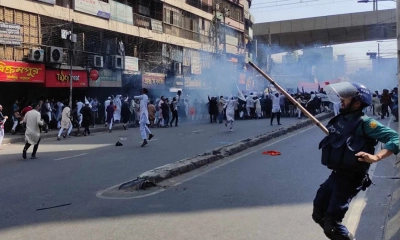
[[343, 90]]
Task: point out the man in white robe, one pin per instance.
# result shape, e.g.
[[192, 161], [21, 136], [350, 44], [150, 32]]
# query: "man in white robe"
[[118, 105], [32, 134], [3, 120], [276, 107], [144, 116], [230, 106]]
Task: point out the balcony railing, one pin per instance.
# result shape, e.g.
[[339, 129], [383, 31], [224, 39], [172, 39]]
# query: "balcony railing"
[[141, 21], [200, 5]]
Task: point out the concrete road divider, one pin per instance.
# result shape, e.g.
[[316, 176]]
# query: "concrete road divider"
[[188, 164]]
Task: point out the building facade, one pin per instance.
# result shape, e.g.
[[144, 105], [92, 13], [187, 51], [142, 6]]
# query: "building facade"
[[117, 46]]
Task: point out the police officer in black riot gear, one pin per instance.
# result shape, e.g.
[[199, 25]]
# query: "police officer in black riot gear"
[[348, 150]]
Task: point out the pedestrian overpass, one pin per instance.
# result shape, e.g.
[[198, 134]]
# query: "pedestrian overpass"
[[327, 30]]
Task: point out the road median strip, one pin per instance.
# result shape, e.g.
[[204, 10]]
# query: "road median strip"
[[170, 170]]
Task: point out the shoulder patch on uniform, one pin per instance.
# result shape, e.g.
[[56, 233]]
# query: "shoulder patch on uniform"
[[373, 124]]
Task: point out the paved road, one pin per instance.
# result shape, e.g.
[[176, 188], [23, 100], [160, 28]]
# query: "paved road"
[[252, 196]]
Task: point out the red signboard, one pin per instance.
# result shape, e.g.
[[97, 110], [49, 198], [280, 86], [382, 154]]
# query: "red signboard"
[[60, 78], [21, 72]]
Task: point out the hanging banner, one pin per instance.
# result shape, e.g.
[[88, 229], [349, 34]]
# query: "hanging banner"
[[156, 26], [21, 72], [131, 65], [195, 61], [60, 78], [121, 12], [94, 7]]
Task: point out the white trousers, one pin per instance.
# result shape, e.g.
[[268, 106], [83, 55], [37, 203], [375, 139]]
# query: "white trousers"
[[111, 124], [336, 108], [15, 125], [62, 129], [144, 130], [230, 124], [1, 136]]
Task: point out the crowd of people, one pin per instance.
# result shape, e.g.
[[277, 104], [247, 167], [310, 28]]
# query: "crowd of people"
[[170, 111]]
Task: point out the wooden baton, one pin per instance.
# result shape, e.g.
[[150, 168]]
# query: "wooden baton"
[[309, 115]]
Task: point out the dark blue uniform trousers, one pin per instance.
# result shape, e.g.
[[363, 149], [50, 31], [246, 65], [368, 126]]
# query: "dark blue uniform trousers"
[[332, 202]]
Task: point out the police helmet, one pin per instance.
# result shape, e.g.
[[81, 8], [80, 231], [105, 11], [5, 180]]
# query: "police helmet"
[[348, 90]]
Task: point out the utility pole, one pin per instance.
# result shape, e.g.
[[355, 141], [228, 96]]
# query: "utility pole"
[[269, 60], [379, 62], [216, 33], [71, 55]]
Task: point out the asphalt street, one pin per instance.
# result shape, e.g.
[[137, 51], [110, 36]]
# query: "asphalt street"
[[246, 196]]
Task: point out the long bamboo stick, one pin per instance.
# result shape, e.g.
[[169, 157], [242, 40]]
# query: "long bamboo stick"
[[309, 115]]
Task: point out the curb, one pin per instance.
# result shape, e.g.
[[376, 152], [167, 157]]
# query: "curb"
[[21, 138], [392, 228], [188, 164]]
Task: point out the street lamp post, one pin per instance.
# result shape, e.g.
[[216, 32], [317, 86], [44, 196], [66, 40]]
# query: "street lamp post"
[[71, 55], [375, 2]]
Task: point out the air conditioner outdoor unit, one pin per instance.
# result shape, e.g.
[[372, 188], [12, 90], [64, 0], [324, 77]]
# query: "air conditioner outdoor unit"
[[36, 55], [55, 55], [97, 61], [118, 62]]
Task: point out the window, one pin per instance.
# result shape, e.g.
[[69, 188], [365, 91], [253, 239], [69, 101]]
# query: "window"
[[171, 17], [144, 10]]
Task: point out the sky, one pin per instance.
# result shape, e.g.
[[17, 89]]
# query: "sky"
[[278, 10]]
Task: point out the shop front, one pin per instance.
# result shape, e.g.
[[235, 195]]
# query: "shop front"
[[58, 83], [108, 82], [20, 80]]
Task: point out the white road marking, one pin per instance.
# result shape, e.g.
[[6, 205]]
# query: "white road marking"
[[100, 193], [82, 154], [153, 139], [360, 201]]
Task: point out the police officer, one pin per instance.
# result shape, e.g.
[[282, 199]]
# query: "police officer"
[[348, 150]]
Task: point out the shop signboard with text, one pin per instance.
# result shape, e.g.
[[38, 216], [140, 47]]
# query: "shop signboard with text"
[[153, 80], [60, 78], [94, 7], [108, 78], [11, 71], [10, 34]]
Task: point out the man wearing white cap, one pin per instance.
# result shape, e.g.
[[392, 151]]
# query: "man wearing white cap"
[[106, 103]]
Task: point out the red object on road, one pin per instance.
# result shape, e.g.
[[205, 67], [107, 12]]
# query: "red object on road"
[[272, 153]]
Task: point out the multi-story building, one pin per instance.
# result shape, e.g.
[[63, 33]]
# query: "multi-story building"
[[116, 46]]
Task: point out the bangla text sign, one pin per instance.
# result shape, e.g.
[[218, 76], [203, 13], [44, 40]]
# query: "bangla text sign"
[[10, 34], [150, 80], [61, 78], [21, 72]]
